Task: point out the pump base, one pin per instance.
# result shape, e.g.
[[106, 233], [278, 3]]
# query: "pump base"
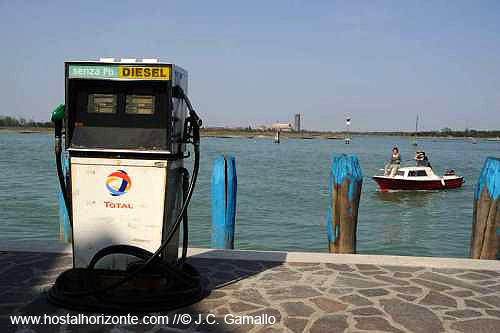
[[86, 290]]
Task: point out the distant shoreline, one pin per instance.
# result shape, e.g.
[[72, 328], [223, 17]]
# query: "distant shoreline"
[[269, 134], [27, 130]]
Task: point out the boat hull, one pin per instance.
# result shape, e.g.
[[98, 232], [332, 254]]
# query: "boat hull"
[[392, 183]]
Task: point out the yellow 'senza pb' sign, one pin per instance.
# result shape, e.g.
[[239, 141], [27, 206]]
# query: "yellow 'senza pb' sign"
[[144, 73]]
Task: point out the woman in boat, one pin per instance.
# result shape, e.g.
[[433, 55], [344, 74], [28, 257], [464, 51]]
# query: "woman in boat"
[[392, 167]]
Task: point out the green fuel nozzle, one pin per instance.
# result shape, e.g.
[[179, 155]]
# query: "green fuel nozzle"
[[57, 118], [58, 114]]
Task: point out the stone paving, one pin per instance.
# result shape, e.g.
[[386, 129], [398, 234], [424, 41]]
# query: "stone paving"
[[302, 297]]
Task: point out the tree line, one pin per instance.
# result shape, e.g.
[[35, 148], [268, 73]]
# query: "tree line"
[[7, 121], [445, 132]]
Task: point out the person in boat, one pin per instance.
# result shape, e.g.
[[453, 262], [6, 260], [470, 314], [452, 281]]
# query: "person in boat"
[[419, 157], [392, 167], [422, 159]]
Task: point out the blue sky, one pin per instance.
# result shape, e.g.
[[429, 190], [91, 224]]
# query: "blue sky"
[[257, 62]]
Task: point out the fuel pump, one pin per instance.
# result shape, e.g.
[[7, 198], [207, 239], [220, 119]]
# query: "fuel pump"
[[126, 126]]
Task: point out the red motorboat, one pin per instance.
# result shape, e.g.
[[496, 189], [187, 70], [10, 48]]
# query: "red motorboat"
[[418, 178]]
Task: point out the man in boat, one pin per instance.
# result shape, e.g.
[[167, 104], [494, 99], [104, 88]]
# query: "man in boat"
[[422, 159], [392, 167], [419, 157]]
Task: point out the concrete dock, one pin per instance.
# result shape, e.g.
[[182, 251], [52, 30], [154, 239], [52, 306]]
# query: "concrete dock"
[[303, 292]]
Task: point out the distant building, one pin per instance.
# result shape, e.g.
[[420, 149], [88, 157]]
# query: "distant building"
[[282, 126], [296, 123]]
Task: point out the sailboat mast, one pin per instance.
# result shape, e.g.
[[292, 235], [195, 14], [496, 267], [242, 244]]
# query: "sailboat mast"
[[416, 131]]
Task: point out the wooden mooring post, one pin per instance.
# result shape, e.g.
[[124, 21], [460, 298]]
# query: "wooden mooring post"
[[224, 185], [486, 216], [344, 187]]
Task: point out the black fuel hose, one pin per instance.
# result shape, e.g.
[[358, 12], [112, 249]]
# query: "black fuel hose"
[[185, 223], [62, 184], [60, 173]]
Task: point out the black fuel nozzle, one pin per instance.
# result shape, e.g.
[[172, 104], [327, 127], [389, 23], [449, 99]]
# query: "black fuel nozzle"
[[195, 118], [196, 130], [192, 129], [177, 92]]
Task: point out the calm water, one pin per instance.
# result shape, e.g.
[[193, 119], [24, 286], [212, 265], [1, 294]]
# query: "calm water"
[[282, 194]]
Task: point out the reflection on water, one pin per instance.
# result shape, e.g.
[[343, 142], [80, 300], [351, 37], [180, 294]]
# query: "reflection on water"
[[417, 199]]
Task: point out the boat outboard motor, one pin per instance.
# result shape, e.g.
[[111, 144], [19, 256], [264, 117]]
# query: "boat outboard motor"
[[126, 126]]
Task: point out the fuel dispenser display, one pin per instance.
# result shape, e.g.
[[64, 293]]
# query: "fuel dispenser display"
[[126, 128]]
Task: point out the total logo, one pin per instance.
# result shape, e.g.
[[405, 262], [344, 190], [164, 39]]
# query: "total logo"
[[118, 183]]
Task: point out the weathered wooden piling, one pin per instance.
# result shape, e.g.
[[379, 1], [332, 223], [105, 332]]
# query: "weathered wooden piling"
[[486, 216], [224, 184], [344, 187]]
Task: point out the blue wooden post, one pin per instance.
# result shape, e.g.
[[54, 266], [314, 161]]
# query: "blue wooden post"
[[64, 225], [486, 217], [224, 184], [344, 187]]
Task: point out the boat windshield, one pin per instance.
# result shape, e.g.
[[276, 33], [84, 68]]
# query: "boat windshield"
[[417, 173], [400, 173]]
